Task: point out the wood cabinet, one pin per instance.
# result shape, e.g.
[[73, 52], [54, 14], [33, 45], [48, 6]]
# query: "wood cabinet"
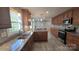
[[54, 20], [77, 42], [5, 21], [40, 36], [72, 40], [60, 19], [68, 14], [26, 15], [76, 16]]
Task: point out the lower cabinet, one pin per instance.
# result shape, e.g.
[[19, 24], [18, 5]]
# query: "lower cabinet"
[[72, 40], [40, 36]]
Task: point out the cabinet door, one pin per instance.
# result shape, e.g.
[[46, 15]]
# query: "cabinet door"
[[54, 21], [26, 15], [44, 36], [71, 40], [77, 41], [60, 19], [36, 36], [5, 17], [70, 13], [67, 14], [29, 45], [76, 16]]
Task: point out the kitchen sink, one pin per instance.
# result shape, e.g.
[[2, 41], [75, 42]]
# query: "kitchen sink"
[[24, 35]]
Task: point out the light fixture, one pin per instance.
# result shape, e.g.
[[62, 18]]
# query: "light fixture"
[[47, 12], [29, 20], [26, 26], [30, 27], [19, 14], [33, 19], [41, 19]]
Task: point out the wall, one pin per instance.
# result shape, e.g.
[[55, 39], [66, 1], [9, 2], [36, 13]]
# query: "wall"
[[39, 23]]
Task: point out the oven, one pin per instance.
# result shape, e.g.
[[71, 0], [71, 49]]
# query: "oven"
[[62, 35]]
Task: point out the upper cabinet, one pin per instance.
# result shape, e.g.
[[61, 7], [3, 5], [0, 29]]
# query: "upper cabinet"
[[54, 20], [58, 20], [76, 16], [5, 18], [26, 15], [68, 14]]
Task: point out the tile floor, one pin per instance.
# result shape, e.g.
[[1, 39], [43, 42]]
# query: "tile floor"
[[53, 44]]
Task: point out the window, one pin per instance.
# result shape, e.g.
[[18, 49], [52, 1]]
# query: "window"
[[16, 22]]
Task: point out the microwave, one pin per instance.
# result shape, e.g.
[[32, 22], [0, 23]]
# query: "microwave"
[[68, 21]]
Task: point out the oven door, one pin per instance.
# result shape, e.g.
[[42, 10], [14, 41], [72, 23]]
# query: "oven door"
[[62, 35]]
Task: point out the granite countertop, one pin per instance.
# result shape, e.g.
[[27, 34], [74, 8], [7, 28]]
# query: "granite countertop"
[[7, 46], [25, 41]]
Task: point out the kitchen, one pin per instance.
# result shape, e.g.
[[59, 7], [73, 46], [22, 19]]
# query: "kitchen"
[[27, 29]]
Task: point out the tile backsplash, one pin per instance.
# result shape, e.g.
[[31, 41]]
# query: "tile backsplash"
[[77, 28], [3, 35]]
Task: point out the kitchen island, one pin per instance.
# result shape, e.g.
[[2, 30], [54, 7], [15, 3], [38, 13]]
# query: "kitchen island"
[[41, 36]]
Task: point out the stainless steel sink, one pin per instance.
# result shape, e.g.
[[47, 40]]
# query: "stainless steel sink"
[[24, 35]]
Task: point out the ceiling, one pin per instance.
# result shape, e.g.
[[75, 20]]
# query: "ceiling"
[[46, 11]]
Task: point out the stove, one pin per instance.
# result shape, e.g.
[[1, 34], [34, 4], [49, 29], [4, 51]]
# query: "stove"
[[62, 35]]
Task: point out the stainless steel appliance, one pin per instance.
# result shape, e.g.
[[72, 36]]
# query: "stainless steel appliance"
[[62, 35], [68, 27], [68, 21]]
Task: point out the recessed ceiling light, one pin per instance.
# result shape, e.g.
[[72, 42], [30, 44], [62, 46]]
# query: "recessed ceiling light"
[[47, 12], [33, 19], [41, 19]]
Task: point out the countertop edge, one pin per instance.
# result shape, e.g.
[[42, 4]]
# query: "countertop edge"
[[19, 49]]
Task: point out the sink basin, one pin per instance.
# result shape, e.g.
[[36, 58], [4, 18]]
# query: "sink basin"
[[16, 44], [24, 35], [21, 37]]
